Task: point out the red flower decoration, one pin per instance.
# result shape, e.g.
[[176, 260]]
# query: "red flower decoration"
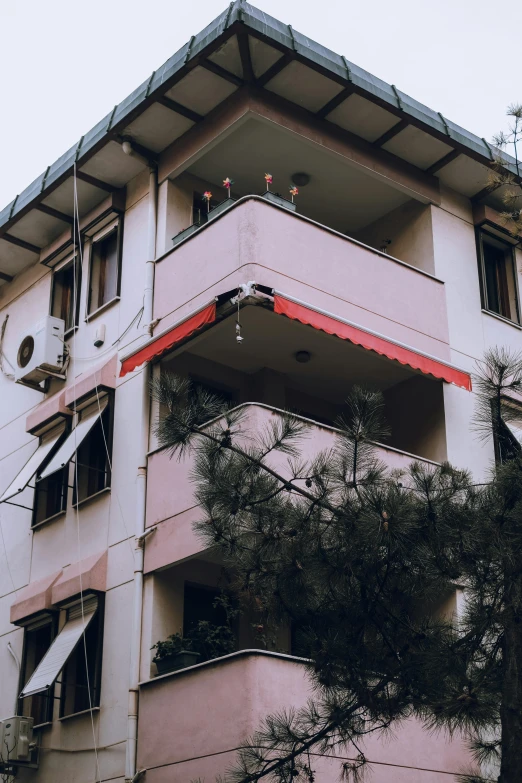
[[207, 195], [294, 191], [268, 179], [227, 183]]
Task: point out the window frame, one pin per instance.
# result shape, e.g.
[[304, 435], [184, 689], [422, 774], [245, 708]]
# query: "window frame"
[[72, 258], [115, 225], [38, 622], [65, 480], [99, 618], [109, 431], [482, 231]]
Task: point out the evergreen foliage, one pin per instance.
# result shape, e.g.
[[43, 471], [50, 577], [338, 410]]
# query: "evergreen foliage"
[[362, 561]]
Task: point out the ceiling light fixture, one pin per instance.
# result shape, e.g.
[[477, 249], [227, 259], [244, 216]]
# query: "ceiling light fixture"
[[301, 178], [302, 357]]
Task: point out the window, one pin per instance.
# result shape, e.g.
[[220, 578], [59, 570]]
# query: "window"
[[65, 299], [76, 652], [91, 442], [50, 497], [198, 606], [498, 276], [50, 444], [37, 640], [104, 275], [81, 677], [93, 471]]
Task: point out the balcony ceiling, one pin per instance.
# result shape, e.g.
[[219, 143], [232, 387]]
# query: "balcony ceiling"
[[243, 47], [338, 195], [272, 341]]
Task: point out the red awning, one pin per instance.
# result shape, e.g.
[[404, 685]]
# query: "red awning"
[[371, 342], [170, 338]]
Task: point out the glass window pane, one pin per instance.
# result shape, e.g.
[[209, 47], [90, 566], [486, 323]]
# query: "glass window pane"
[[104, 271], [37, 642]]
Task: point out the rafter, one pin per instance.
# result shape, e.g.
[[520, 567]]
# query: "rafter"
[[246, 58], [21, 243], [222, 72], [400, 126], [97, 183], [335, 102], [274, 69], [484, 192], [180, 109], [439, 164], [55, 213]]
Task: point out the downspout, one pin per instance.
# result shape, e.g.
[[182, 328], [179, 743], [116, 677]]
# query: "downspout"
[[131, 773]]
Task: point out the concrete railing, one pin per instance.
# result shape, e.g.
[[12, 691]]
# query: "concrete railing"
[[257, 240], [193, 721], [170, 491]]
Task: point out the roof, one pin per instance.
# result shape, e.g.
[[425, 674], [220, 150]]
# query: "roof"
[[171, 98]]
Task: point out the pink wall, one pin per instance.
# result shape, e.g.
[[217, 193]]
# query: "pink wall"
[[257, 240], [170, 498], [217, 705]]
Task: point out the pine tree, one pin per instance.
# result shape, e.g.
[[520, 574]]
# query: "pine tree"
[[509, 177], [357, 558]]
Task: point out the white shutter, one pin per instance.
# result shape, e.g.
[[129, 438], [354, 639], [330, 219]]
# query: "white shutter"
[[30, 468], [66, 451], [61, 649]]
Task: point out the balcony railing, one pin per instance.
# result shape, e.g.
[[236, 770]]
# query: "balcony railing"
[[193, 721], [170, 492], [257, 240]]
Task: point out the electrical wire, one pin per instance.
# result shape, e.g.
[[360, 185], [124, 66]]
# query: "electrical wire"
[[2, 354], [76, 234]]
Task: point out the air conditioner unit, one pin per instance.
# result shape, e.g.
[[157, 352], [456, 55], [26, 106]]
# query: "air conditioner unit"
[[16, 736], [41, 351]]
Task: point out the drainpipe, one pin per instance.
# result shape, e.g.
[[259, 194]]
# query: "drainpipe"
[[131, 773]]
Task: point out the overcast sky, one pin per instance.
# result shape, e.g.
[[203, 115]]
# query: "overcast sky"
[[64, 64]]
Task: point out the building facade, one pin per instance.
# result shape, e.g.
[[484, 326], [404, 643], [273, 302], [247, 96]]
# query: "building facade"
[[129, 257]]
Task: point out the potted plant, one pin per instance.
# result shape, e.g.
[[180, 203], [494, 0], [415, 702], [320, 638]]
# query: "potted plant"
[[184, 233], [174, 653], [277, 198], [204, 642], [226, 203]]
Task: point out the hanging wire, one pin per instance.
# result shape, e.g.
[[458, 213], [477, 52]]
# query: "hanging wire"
[[76, 235]]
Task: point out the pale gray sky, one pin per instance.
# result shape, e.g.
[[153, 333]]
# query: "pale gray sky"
[[64, 64]]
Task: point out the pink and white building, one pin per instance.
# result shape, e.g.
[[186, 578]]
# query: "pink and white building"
[[390, 268]]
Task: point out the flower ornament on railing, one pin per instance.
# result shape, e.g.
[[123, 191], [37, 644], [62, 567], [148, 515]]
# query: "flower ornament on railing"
[[294, 192], [207, 195], [227, 183], [268, 180]]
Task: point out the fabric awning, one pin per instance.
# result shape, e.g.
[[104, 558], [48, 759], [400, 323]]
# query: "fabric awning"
[[61, 649], [372, 342], [31, 467], [73, 442], [165, 341]]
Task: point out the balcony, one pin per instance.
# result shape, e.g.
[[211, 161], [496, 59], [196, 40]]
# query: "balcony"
[[170, 493], [258, 240], [192, 722]]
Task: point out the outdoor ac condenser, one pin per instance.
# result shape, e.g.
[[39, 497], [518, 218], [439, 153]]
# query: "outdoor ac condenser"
[[41, 351], [16, 736]]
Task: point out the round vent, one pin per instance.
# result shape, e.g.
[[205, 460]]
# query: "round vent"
[[25, 351]]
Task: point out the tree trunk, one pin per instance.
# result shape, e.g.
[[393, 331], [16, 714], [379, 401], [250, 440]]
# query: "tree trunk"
[[511, 709]]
